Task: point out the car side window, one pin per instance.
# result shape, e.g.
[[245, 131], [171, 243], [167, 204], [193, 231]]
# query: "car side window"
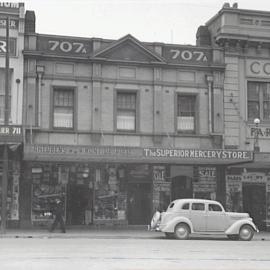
[[171, 205], [214, 207], [198, 206], [185, 206]]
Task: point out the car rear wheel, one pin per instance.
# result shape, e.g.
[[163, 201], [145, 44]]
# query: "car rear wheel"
[[181, 231], [246, 233]]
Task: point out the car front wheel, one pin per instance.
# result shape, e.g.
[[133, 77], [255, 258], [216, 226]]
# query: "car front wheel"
[[181, 231], [246, 233]]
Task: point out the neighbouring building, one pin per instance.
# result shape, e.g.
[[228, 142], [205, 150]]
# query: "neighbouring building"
[[118, 128], [244, 35], [11, 134]]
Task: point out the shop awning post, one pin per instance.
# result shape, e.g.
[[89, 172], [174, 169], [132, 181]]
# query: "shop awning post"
[[5, 154]]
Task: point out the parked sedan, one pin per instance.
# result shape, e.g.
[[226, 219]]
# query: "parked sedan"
[[197, 216]]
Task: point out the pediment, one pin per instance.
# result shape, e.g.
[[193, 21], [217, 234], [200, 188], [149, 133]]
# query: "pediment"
[[128, 49]]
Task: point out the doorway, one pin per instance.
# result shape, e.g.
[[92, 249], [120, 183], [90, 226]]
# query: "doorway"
[[139, 203], [79, 205], [181, 187], [254, 203]]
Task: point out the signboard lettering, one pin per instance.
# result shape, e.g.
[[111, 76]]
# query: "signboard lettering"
[[13, 24], [258, 68], [9, 5], [12, 46], [62, 46], [262, 132], [194, 153], [11, 133], [186, 55]]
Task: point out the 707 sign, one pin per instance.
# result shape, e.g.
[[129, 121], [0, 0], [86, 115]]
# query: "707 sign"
[[187, 55], [67, 47]]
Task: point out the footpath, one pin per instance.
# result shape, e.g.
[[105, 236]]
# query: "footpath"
[[106, 233]]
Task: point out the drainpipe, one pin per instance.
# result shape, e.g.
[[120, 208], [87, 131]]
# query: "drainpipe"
[[210, 80], [40, 72]]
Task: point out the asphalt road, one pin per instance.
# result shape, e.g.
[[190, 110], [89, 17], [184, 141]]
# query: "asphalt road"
[[155, 253]]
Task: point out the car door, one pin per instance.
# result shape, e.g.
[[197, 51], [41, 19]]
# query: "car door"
[[198, 216], [216, 219]]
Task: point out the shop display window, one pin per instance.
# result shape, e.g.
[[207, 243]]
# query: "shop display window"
[[110, 198], [47, 186], [12, 191]]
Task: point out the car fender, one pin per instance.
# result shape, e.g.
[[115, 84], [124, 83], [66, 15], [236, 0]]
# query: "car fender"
[[169, 227], [235, 227]]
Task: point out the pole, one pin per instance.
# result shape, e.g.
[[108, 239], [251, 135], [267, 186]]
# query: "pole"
[[5, 154]]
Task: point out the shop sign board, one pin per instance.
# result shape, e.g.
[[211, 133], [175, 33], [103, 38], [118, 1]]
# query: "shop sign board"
[[258, 68], [126, 154], [12, 46], [11, 133], [13, 24], [64, 46], [261, 131], [187, 55], [254, 177]]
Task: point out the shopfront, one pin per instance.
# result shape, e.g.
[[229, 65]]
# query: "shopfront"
[[119, 185]]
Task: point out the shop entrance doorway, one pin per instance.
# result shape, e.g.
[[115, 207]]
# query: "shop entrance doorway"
[[181, 187], [139, 203], [254, 203], [79, 205]]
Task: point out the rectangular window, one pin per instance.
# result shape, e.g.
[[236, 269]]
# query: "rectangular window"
[[258, 98], [63, 108], [126, 111], [186, 113], [2, 94]]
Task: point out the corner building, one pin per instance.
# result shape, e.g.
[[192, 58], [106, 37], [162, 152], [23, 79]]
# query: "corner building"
[[244, 35], [118, 128]]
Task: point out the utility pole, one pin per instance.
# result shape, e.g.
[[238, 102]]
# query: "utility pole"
[[6, 121]]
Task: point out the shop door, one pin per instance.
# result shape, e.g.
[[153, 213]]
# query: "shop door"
[[80, 202], [139, 204], [181, 187], [254, 203]]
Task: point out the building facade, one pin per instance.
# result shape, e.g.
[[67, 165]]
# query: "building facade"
[[245, 37], [11, 132], [118, 128]]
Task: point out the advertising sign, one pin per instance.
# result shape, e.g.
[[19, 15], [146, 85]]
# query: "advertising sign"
[[66, 46], [187, 55], [12, 46]]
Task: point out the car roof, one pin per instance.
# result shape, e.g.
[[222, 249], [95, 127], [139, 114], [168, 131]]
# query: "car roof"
[[181, 201]]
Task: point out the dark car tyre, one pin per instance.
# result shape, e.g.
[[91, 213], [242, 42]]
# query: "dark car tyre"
[[169, 235], [246, 233], [233, 236], [181, 231]]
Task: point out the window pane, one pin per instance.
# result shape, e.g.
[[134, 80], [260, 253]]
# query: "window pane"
[[63, 118], [253, 91], [253, 110], [186, 113], [126, 120], [198, 206], [126, 111], [63, 108], [266, 110]]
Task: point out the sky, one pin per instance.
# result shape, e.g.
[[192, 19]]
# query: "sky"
[[168, 21]]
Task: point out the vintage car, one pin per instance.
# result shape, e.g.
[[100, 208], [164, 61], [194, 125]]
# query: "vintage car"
[[196, 216]]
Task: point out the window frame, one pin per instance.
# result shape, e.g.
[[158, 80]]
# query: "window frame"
[[197, 203], [137, 96], [196, 103], [261, 101], [68, 88]]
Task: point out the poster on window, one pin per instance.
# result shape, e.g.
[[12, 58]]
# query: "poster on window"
[[234, 193]]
